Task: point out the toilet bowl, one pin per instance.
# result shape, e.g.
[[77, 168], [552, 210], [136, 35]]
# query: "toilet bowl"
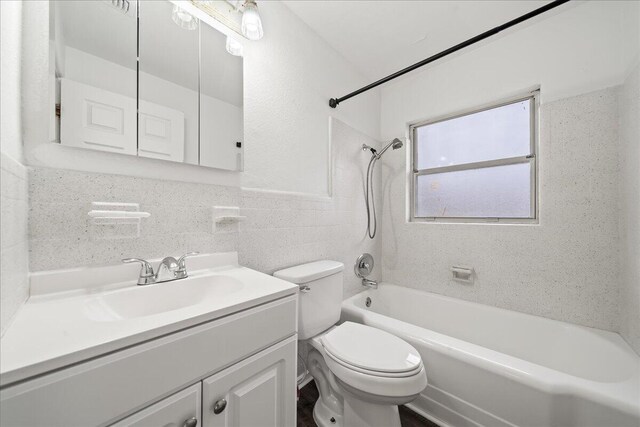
[[372, 370], [362, 373]]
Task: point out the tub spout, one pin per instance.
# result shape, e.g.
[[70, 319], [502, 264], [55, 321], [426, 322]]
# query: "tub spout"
[[369, 283]]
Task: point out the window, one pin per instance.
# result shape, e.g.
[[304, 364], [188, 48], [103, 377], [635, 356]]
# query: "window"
[[477, 166]]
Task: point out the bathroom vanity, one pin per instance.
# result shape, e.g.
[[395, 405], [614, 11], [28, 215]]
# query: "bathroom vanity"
[[217, 348]]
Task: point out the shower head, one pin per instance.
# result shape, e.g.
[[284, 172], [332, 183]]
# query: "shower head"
[[395, 144]]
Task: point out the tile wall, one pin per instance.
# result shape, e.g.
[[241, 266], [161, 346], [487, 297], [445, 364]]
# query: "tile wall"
[[280, 230], [630, 209], [14, 284], [567, 266]]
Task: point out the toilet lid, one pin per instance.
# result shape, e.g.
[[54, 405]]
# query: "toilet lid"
[[371, 349]]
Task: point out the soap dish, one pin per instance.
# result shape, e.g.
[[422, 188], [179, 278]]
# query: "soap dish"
[[225, 215]]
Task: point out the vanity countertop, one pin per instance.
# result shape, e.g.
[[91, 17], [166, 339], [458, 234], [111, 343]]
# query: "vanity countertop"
[[57, 329]]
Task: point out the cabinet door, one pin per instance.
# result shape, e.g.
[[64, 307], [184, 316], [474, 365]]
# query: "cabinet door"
[[257, 392], [97, 119], [182, 409], [160, 132]]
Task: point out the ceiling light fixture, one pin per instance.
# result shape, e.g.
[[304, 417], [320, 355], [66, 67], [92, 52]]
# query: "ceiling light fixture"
[[251, 22], [234, 47], [184, 19]]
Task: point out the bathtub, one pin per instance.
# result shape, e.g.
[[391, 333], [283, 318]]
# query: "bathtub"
[[492, 367]]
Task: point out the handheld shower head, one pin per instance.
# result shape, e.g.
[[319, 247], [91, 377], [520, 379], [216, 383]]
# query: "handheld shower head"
[[372, 221], [395, 144]]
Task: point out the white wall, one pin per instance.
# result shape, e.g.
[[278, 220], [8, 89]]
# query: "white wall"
[[289, 77], [565, 267], [582, 49], [285, 229], [629, 192], [13, 175], [11, 141]]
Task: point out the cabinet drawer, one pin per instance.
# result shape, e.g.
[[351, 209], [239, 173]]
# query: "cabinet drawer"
[[178, 410], [104, 390]]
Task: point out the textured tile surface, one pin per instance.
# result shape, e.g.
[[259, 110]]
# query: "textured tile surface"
[[630, 209], [62, 235], [14, 285], [280, 229], [565, 267]]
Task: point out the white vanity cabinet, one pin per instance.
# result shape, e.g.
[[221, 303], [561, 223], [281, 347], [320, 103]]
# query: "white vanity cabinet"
[[247, 358], [257, 391]]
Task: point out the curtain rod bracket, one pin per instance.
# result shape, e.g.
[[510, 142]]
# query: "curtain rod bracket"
[[333, 103]]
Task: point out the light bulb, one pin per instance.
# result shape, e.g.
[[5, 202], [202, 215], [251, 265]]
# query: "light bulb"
[[184, 19], [251, 22], [234, 47]]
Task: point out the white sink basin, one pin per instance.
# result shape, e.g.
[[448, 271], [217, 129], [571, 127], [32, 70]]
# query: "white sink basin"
[[149, 300], [74, 315]]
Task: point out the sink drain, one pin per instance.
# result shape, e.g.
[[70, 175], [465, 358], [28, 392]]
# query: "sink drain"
[[367, 302]]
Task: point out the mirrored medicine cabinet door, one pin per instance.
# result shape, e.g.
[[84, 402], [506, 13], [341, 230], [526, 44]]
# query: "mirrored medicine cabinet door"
[[145, 79]]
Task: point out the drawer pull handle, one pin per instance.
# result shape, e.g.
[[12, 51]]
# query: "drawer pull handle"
[[219, 406], [191, 422]]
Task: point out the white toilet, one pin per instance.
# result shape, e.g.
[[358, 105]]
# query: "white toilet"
[[362, 373]]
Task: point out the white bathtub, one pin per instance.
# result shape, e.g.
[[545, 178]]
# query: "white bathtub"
[[492, 367]]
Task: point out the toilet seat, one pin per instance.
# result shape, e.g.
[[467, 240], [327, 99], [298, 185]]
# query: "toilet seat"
[[373, 361], [372, 372], [371, 351]]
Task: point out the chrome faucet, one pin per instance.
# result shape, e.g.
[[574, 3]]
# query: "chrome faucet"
[[168, 270]]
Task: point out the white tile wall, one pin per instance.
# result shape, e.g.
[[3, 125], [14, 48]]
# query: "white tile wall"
[[566, 267], [14, 285], [281, 229], [630, 209], [285, 229], [62, 236]]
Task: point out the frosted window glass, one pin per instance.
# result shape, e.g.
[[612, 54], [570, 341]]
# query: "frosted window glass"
[[497, 133], [495, 192]]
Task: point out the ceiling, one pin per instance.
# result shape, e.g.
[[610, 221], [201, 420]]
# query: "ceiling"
[[381, 37]]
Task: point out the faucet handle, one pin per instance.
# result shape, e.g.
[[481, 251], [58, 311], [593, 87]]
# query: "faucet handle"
[[182, 266], [146, 269]]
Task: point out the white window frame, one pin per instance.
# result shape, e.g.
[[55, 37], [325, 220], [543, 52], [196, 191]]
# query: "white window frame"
[[531, 158]]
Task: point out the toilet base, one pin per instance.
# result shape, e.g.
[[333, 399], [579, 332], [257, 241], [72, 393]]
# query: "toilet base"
[[359, 413], [325, 417]]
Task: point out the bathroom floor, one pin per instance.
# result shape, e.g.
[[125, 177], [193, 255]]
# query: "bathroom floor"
[[309, 395]]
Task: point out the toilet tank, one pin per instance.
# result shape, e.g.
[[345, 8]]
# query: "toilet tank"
[[320, 298]]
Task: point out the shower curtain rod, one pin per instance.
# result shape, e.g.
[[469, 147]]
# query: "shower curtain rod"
[[333, 102]]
